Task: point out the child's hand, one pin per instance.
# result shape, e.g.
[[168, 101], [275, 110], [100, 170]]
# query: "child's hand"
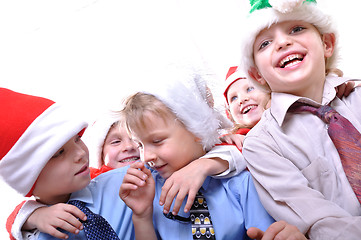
[[138, 190], [236, 139], [281, 230], [61, 215], [186, 181], [345, 89]]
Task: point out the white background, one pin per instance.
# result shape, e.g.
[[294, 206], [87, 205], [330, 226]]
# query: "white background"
[[93, 52]]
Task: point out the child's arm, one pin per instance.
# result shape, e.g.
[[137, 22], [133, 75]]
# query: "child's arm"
[[34, 215], [236, 139], [138, 191], [18, 217], [48, 219], [278, 230], [187, 181], [223, 160]]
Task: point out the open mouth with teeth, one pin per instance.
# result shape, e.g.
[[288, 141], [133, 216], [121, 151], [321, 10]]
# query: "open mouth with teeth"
[[291, 60], [248, 109], [131, 159]]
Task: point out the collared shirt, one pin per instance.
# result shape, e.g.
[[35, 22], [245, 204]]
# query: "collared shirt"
[[297, 169], [102, 196], [233, 205], [94, 197]]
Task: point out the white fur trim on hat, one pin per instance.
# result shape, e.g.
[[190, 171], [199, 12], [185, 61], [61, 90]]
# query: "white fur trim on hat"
[[22, 164], [184, 91], [95, 135], [264, 18], [234, 74]]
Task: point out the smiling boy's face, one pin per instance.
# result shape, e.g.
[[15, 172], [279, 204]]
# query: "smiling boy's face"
[[167, 143], [290, 57], [119, 149], [66, 172]]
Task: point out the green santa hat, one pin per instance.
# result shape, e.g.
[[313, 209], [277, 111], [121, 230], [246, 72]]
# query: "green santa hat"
[[265, 13]]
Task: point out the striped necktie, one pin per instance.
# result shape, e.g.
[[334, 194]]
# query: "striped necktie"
[[345, 137]]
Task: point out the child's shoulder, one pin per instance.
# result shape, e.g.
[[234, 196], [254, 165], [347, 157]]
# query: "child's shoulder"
[[111, 175], [242, 178]]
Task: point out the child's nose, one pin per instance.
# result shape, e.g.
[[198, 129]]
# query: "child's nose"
[[283, 41], [243, 100], [81, 153], [148, 156], [129, 145]]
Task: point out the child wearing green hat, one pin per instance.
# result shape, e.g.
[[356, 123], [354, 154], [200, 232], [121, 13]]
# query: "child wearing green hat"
[[290, 49]]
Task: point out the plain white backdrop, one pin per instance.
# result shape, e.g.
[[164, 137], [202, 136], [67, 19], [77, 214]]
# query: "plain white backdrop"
[[92, 53]]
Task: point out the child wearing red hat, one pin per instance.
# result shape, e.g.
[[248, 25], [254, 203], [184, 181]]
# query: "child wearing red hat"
[[29, 207], [34, 134], [245, 103]]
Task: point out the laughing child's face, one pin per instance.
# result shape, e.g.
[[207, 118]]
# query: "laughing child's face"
[[290, 57], [119, 149], [66, 172], [246, 103]]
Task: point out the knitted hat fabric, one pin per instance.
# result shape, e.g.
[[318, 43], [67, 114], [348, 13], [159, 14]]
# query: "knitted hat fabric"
[[32, 130], [265, 13], [233, 75]]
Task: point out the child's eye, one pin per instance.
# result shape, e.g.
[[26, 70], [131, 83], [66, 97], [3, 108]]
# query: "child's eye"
[[297, 29], [234, 98], [157, 141], [115, 142], [250, 89], [77, 138], [58, 154], [264, 44]]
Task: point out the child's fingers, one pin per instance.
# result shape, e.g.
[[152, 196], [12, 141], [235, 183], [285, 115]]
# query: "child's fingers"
[[76, 213], [169, 198], [179, 200], [56, 233], [165, 189], [255, 233], [190, 200]]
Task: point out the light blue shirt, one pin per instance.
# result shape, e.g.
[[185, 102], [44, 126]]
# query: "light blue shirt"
[[102, 196], [233, 204]]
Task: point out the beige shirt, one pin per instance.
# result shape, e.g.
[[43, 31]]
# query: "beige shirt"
[[297, 170]]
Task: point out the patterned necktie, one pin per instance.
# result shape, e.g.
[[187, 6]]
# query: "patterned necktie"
[[202, 227], [95, 227], [346, 139]]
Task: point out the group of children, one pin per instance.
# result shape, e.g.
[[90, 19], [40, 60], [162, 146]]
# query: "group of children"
[[298, 188]]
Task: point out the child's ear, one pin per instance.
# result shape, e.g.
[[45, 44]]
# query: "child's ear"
[[329, 40], [253, 73]]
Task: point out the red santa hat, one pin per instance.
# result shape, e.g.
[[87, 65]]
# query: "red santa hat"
[[233, 75], [32, 130]]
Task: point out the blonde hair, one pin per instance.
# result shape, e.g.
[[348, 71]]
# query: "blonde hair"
[[139, 103]]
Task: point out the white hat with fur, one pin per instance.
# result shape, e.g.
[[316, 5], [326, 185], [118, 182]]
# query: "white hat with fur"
[[265, 13]]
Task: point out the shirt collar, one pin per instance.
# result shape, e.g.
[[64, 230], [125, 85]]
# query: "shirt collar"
[[281, 102], [83, 195]]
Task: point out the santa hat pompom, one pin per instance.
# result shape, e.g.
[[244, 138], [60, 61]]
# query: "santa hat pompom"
[[285, 6]]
